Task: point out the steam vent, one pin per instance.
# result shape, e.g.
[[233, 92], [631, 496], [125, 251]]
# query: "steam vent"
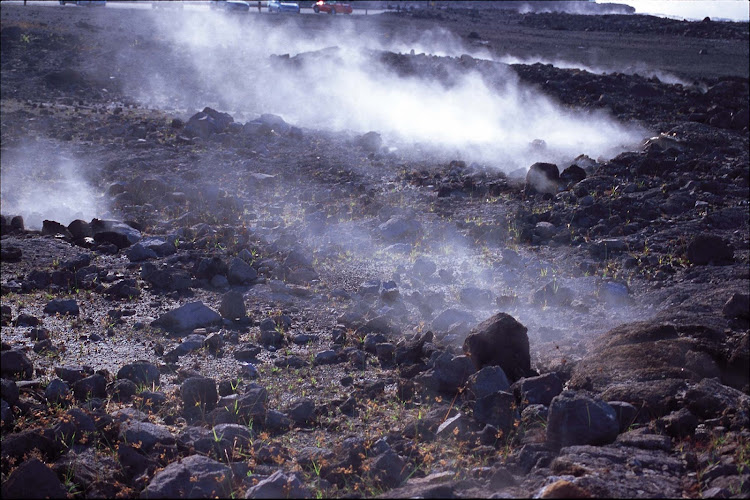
[[374, 249]]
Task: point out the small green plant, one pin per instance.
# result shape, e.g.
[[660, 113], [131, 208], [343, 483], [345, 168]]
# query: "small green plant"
[[69, 484]]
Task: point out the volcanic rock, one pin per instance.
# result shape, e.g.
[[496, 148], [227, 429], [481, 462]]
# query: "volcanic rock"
[[118, 233], [15, 364], [706, 248], [502, 341], [194, 476], [543, 178], [575, 418], [199, 391], [33, 472], [141, 373], [188, 317]]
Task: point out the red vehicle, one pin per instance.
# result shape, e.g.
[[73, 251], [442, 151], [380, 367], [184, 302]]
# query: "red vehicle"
[[332, 7]]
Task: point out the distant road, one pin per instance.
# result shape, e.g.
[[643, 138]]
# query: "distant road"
[[197, 5]]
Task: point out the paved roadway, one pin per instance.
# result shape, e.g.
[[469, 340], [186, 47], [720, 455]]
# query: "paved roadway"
[[191, 5]]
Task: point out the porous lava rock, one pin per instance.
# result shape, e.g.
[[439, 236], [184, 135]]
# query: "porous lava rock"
[[502, 341]]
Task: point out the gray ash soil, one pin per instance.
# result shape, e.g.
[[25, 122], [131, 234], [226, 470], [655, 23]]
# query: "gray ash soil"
[[362, 269]]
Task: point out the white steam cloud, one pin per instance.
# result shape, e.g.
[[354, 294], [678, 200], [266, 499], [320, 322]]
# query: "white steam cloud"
[[633, 69], [492, 119], [39, 183]]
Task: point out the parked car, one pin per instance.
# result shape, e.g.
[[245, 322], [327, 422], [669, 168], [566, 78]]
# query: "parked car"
[[176, 4], [84, 2], [230, 5], [281, 6], [332, 7]]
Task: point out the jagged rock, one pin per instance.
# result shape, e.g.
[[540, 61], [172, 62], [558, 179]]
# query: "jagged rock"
[[114, 232], [232, 306], [707, 248], [233, 436], [400, 228], [448, 374], [370, 142], [165, 279], [280, 485], [9, 392], [627, 414], [138, 253], [123, 390], [193, 477], [72, 374], [738, 306], [209, 267], [275, 122], [145, 434], [488, 381], [14, 364], [501, 341], [52, 228], [475, 297], [94, 386], [302, 411], [188, 317], [240, 272], [207, 122], [678, 424], [387, 469], [62, 307], [543, 178], [709, 398], [575, 419], [452, 320], [199, 391], [613, 463], [33, 479], [141, 373], [497, 410], [538, 390]]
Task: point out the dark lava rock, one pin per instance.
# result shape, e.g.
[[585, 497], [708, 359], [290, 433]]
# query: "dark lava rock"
[[193, 477], [113, 232], [501, 341], [14, 364], [448, 374], [188, 317], [538, 390], [123, 390], [575, 419], [647, 363], [94, 386], [706, 248], [232, 306], [488, 381], [207, 122], [33, 479], [279, 485], [370, 142], [497, 410], [9, 392], [543, 178], [141, 373], [738, 306], [62, 306], [709, 398], [199, 391]]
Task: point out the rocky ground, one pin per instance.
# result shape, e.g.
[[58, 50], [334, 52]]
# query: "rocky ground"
[[246, 306]]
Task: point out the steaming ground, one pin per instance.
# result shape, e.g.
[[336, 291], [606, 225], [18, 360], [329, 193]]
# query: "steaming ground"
[[337, 83], [341, 251], [334, 80], [43, 180]]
